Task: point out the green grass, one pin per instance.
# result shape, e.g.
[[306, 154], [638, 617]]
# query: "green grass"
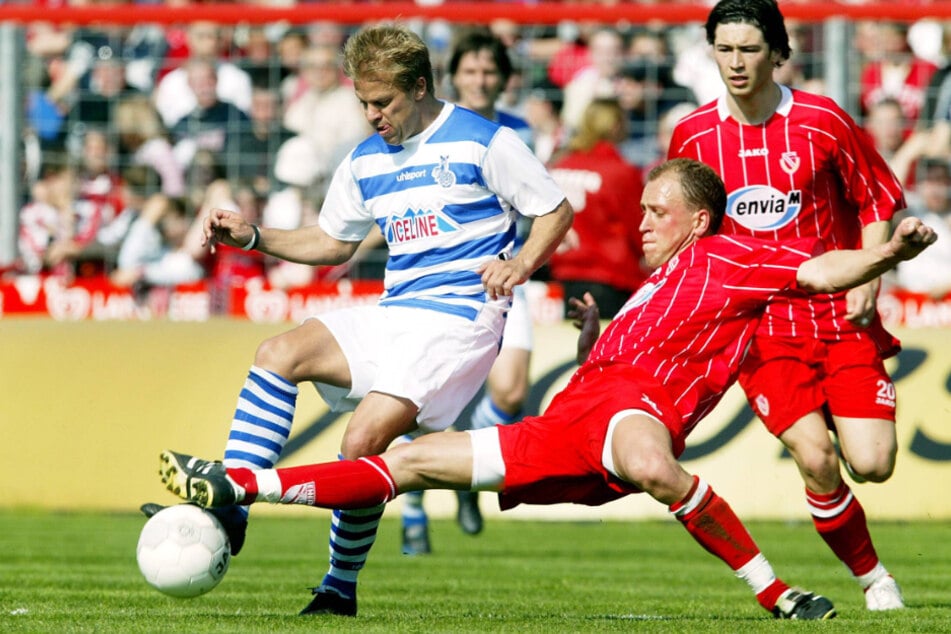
[[77, 573]]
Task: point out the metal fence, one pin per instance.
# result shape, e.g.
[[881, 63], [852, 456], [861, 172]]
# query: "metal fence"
[[824, 40]]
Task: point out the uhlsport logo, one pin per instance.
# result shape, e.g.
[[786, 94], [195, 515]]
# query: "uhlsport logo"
[[418, 224], [763, 208]]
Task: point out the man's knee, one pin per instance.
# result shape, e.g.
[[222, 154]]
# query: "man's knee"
[[652, 470], [272, 352], [875, 466]]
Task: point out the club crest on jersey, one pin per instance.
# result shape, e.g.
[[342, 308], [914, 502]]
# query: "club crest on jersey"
[[763, 208], [643, 294], [442, 174], [789, 162], [418, 224], [762, 405]]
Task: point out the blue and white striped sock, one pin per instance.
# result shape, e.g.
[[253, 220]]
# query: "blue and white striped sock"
[[262, 421], [488, 414], [412, 510], [352, 534]]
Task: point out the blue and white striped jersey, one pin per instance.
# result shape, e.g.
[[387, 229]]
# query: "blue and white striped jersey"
[[520, 125], [445, 201], [526, 134]]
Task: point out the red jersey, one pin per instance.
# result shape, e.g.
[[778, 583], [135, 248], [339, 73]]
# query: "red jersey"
[[604, 190], [808, 172], [910, 94], [690, 323]]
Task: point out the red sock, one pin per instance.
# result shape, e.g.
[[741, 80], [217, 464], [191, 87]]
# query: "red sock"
[[714, 525], [840, 521], [346, 484], [245, 478]]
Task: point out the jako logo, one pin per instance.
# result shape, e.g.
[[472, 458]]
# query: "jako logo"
[[762, 208], [418, 225]]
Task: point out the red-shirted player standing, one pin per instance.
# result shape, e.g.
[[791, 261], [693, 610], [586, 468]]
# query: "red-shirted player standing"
[[796, 165], [617, 428]]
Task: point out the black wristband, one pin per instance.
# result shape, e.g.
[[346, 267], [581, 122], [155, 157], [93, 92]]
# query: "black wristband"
[[253, 242]]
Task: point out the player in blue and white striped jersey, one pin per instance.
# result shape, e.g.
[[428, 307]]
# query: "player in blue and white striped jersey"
[[443, 184], [479, 68]]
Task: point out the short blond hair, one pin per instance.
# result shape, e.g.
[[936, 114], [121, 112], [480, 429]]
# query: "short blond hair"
[[390, 53]]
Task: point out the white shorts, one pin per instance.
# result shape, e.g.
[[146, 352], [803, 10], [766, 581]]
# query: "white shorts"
[[436, 360], [518, 323]]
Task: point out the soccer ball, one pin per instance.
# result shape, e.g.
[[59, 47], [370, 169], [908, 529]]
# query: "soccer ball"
[[183, 551]]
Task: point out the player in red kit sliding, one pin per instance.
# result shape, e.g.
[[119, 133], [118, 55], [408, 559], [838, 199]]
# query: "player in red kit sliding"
[[617, 428], [795, 165]]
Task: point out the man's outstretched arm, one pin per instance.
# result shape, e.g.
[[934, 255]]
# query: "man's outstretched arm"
[[839, 270]]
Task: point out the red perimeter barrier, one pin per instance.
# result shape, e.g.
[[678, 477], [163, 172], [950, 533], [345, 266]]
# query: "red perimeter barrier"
[[474, 12]]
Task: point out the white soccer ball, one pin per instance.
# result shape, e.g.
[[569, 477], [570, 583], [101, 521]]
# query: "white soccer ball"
[[183, 551]]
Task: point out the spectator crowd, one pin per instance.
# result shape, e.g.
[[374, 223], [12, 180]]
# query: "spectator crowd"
[[130, 132]]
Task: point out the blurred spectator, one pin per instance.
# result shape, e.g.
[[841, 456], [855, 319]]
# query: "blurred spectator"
[[326, 33], [232, 267], [153, 252], [257, 55], [96, 105], [294, 204], [143, 140], [45, 117], [694, 66], [648, 44], [603, 256], [895, 72], [134, 51], [212, 124], [79, 91], [257, 144], [645, 91], [328, 113], [597, 80], [804, 69], [932, 135], [290, 48], [46, 224], [543, 112], [205, 170], [479, 70], [885, 123], [174, 96], [571, 54], [99, 218], [930, 273], [74, 220], [665, 130]]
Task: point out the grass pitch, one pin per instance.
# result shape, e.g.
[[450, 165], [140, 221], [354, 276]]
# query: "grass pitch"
[[77, 573]]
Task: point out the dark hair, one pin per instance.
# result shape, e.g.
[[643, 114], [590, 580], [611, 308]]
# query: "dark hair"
[[933, 167], [701, 186], [482, 40], [763, 14]]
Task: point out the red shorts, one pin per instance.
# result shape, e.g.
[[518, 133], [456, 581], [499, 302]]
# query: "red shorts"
[[784, 379], [556, 457]]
